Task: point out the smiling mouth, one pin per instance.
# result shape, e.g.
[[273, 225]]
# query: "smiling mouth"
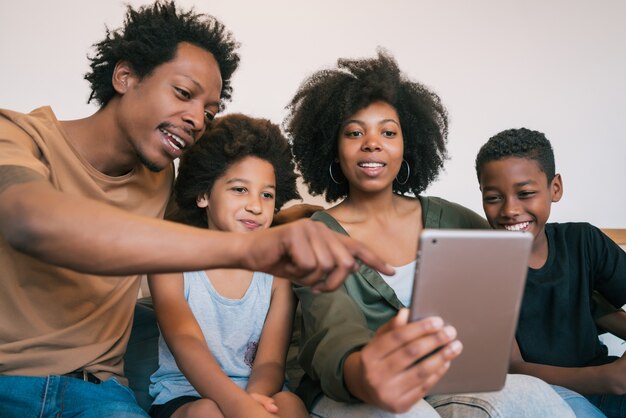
[[517, 227], [371, 165], [250, 224], [174, 140]]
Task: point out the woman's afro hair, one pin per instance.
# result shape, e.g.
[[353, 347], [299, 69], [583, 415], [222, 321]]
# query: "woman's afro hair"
[[329, 97]]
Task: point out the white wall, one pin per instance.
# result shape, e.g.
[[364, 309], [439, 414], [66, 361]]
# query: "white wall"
[[557, 66]]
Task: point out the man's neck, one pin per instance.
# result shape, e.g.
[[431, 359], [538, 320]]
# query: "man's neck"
[[98, 139]]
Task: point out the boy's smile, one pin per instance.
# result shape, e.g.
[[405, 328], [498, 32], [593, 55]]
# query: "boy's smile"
[[517, 195]]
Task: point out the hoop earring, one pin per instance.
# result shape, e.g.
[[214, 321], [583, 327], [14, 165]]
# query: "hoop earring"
[[408, 173], [330, 171]]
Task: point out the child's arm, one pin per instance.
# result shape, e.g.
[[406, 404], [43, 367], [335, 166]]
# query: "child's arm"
[[608, 317], [592, 380], [615, 323], [268, 371], [188, 345]]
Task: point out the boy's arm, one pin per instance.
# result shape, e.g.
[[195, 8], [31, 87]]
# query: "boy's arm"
[[268, 371], [615, 323], [92, 237], [186, 341], [593, 380]]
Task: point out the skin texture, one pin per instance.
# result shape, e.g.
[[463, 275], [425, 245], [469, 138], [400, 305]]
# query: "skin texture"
[[178, 97], [386, 372], [517, 195], [242, 200]]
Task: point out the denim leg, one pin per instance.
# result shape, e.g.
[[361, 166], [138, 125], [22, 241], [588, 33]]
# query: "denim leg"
[[327, 408], [56, 396], [522, 397], [107, 399], [26, 396], [614, 406], [581, 406]]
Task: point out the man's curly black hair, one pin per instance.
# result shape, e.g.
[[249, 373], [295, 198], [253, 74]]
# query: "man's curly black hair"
[[329, 97], [230, 139], [520, 143], [150, 37]]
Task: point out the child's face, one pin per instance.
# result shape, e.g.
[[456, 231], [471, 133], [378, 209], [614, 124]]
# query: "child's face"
[[243, 199], [517, 196], [371, 147]]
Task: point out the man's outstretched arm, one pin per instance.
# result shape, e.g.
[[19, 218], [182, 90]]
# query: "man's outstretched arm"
[[92, 237]]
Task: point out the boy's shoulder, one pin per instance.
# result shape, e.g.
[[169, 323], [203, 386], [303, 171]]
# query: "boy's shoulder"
[[572, 229], [578, 236]]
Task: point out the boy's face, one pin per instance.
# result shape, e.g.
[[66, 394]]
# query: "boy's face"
[[517, 196], [164, 113], [243, 199]]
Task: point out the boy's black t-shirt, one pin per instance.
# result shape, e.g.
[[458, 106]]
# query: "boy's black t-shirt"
[[556, 325]]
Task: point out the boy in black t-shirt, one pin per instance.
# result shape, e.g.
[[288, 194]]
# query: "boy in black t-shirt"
[[557, 338]]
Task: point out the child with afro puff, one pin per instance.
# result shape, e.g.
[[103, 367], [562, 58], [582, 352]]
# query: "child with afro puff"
[[225, 332]]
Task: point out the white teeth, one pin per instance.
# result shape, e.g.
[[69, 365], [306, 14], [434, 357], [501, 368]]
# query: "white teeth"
[[516, 227], [371, 165], [176, 141]]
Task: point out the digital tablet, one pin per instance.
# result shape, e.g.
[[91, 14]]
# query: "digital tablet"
[[474, 280]]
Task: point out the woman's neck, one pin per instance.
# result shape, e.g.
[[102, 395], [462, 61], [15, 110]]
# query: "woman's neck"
[[371, 206]]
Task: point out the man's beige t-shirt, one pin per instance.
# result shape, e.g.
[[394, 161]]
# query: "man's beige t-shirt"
[[54, 320]]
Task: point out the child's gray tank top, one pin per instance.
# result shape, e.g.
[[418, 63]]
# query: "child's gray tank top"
[[232, 329]]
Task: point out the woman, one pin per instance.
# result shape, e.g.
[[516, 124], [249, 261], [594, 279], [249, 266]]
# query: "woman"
[[367, 135]]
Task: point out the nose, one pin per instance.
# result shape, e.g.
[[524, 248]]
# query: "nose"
[[371, 143], [194, 118], [253, 205], [510, 208]]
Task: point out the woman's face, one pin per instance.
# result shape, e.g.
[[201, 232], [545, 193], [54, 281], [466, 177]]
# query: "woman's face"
[[371, 148]]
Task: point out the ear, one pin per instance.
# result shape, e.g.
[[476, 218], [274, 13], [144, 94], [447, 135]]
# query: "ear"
[[123, 77], [202, 200], [556, 188]]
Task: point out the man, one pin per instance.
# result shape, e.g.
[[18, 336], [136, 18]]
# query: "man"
[[79, 202]]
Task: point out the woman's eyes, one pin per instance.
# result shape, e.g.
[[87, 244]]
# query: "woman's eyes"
[[358, 134], [209, 116], [353, 134], [267, 195]]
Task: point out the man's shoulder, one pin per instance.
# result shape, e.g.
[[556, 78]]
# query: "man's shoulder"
[[32, 124]]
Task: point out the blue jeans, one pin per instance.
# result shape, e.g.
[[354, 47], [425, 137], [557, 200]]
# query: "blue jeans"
[[581, 406], [58, 396], [614, 406]]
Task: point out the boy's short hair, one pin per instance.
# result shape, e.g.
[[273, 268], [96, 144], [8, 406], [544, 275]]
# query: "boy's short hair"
[[520, 143], [328, 97], [150, 37], [230, 139]]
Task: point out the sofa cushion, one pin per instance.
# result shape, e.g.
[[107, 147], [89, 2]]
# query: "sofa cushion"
[[142, 355]]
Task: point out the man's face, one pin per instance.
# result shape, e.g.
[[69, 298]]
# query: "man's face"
[[164, 113]]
